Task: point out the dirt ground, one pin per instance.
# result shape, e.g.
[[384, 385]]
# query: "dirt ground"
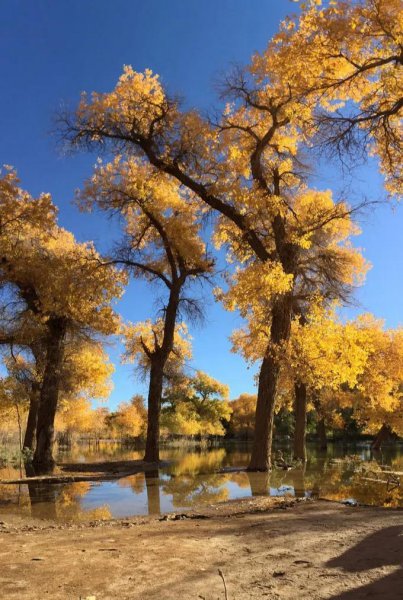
[[260, 548], [95, 471]]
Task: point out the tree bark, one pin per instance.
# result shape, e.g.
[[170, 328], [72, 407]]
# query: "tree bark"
[[300, 421], [320, 424], [49, 395], [30, 431], [321, 433], [382, 436], [154, 409], [266, 396], [158, 361]]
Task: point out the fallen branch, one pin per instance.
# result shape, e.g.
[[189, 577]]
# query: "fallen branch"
[[225, 585]]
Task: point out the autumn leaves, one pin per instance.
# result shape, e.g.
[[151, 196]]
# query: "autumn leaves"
[[328, 80], [56, 301]]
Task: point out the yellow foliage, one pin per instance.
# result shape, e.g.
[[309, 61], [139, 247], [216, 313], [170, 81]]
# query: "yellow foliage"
[[243, 414], [196, 406], [131, 417], [55, 275], [143, 339]]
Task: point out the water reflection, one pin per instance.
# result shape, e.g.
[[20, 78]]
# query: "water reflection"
[[195, 478], [153, 492]]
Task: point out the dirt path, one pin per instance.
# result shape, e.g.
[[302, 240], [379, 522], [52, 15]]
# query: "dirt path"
[[306, 550]]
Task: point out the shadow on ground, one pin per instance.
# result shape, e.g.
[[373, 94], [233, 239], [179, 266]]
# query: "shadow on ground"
[[383, 548]]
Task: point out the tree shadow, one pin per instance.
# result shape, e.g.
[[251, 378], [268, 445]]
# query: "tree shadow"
[[380, 549]]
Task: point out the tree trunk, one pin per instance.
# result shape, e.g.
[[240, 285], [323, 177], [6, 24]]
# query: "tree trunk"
[[300, 421], [266, 396], [43, 458], [382, 436], [158, 361], [154, 408], [321, 433], [30, 430], [320, 424]]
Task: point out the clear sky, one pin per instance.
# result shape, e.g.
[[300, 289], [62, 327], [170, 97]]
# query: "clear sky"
[[51, 50]]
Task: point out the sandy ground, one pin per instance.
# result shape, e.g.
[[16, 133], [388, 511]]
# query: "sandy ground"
[[261, 548]]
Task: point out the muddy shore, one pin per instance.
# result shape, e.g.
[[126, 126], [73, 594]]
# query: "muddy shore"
[[254, 548]]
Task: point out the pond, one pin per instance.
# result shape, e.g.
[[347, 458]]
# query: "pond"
[[196, 477]]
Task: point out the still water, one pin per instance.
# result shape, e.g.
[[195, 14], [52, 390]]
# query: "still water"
[[193, 479]]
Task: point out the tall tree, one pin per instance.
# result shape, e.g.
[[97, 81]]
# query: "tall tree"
[[246, 166], [145, 347], [54, 281], [161, 244]]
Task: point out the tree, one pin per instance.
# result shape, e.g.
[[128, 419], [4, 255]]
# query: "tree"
[[130, 419], [324, 355], [196, 405], [346, 59], [60, 285], [145, 346], [326, 267], [235, 169], [243, 415], [162, 244], [377, 398], [85, 376], [247, 166]]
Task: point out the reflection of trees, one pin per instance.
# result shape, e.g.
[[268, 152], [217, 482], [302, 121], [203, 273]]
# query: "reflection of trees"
[[63, 502], [193, 480], [191, 490], [238, 458], [298, 480], [365, 482], [199, 462], [98, 451], [259, 483], [12, 496], [43, 499], [135, 482], [153, 492], [241, 478]]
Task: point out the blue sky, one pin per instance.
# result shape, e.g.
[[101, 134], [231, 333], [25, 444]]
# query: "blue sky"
[[50, 51]]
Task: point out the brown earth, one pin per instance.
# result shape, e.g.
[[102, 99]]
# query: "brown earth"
[[95, 471], [261, 548]]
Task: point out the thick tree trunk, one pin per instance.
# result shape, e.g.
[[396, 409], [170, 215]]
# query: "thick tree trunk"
[[382, 436], [300, 421], [266, 396], [154, 408], [30, 431], [43, 458], [158, 361], [264, 416]]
